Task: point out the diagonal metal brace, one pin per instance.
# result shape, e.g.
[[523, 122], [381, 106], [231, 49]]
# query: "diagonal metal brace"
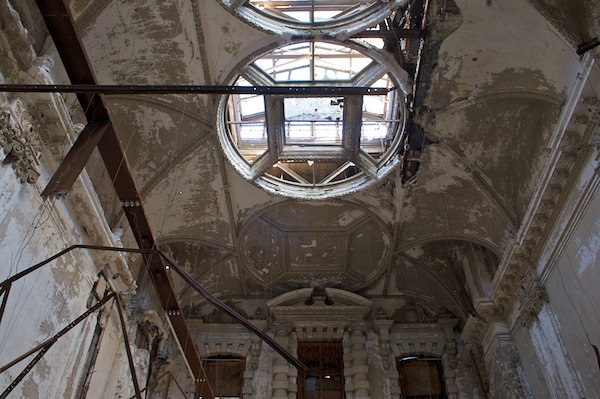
[[71, 166], [136, 385], [240, 319], [45, 346]]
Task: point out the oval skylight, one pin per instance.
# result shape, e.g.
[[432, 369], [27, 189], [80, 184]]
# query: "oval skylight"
[[316, 144], [301, 17]]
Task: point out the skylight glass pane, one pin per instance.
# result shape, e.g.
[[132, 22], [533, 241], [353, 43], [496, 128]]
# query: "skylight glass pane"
[[302, 16], [375, 105], [251, 105], [324, 16], [311, 11], [375, 131], [313, 108], [247, 126], [313, 120], [316, 133], [375, 42], [313, 61]]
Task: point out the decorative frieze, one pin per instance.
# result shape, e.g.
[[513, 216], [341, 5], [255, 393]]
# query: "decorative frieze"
[[531, 297], [357, 336], [503, 364], [505, 381], [413, 312], [20, 142]]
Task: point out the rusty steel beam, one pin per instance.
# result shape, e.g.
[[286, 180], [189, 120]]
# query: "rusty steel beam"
[[6, 284], [301, 91], [71, 166], [136, 385], [61, 25]]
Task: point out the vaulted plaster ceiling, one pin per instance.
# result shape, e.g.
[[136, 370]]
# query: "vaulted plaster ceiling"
[[495, 75]]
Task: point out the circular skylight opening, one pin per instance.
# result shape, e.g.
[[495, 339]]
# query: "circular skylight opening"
[[302, 17], [328, 120]]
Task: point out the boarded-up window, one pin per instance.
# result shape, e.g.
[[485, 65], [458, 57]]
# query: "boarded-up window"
[[421, 378], [325, 376], [226, 375]]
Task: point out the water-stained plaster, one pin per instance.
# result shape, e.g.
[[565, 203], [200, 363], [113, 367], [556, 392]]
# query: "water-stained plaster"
[[188, 191], [509, 42], [228, 40], [551, 350], [409, 278], [446, 200], [159, 40], [153, 137], [577, 20], [305, 243]]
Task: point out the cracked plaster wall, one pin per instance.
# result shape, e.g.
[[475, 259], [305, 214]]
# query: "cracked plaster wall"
[[45, 301], [573, 312]]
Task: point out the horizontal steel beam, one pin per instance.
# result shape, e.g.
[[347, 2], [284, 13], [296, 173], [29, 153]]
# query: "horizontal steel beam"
[[196, 89]]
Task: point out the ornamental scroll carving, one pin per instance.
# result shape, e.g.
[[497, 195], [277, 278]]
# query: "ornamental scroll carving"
[[531, 298], [20, 142]]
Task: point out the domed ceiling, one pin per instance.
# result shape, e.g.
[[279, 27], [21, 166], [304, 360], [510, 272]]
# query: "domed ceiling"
[[491, 82]]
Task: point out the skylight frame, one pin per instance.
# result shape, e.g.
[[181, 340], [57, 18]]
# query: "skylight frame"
[[344, 22], [352, 164]]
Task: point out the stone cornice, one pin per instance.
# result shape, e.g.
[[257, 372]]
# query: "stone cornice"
[[568, 155], [531, 296]]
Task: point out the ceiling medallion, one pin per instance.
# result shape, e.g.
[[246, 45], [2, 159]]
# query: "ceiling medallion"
[[296, 244]]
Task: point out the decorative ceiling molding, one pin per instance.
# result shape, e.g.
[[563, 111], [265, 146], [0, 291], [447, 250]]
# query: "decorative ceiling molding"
[[484, 182], [568, 155], [475, 99], [343, 306], [457, 303], [429, 238], [297, 244], [159, 103], [174, 163], [201, 42]]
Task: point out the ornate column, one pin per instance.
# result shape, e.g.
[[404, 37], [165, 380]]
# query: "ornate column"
[[359, 360], [387, 357], [251, 366], [503, 364], [293, 372], [281, 369], [449, 360]]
